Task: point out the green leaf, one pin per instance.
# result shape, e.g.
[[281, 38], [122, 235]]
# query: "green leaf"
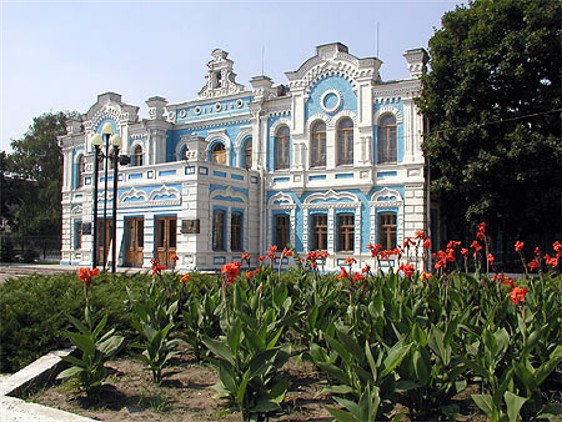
[[342, 415], [241, 391], [484, 402], [227, 377], [219, 348], [514, 404], [111, 345], [84, 343], [233, 337], [70, 372], [279, 390], [395, 356]]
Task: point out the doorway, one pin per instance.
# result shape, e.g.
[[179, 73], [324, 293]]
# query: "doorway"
[[134, 241], [166, 239]]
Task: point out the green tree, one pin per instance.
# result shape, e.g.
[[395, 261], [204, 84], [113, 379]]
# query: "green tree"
[[493, 104], [35, 166]]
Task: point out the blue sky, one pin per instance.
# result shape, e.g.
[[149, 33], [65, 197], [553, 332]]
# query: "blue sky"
[[59, 55]]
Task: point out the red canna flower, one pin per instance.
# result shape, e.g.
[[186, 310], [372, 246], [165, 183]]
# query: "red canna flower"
[[533, 265], [349, 260], [185, 278], [366, 269], [86, 275], [408, 242], [426, 276], [519, 246], [481, 231], [343, 274], [249, 275], [357, 277], [427, 243], [420, 234], [273, 249], [407, 269], [174, 257], [518, 294], [287, 252], [464, 252], [551, 260], [557, 246], [476, 246], [157, 268], [230, 271], [244, 256], [261, 258], [491, 259]]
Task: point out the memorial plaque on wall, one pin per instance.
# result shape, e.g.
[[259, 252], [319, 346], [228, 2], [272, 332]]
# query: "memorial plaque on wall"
[[190, 226], [86, 228]]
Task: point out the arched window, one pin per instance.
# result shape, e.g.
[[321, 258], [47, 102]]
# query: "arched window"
[[248, 154], [345, 142], [81, 169], [282, 148], [137, 156], [387, 139], [318, 144], [218, 153]]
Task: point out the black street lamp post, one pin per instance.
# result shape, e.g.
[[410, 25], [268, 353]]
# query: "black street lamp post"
[[115, 159]]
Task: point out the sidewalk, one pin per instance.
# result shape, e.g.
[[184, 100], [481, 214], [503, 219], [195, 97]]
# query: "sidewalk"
[[11, 270]]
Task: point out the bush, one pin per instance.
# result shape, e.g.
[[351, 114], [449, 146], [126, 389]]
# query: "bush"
[[34, 309]]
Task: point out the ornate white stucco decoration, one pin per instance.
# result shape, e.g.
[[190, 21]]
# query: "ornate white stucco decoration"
[[133, 196], [332, 199], [329, 93], [386, 198], [76, 211], [281, 201], [333, 60], [160, 197], [283, 121], [389, 109], [221, 79], [228, 195]]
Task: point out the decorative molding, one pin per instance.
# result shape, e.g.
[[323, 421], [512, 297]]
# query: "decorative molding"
[[280, 122], [389, 109]]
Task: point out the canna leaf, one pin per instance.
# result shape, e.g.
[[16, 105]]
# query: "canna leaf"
[[484, 402], [219, 348], [514, 404], [395, 356]]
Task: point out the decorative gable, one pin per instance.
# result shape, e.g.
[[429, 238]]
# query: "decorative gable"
[[221, 79]]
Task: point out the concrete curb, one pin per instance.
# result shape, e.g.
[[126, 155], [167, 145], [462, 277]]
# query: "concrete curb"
[[37, 373]]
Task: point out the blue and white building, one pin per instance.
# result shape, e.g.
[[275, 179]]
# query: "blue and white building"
[[330, 160]]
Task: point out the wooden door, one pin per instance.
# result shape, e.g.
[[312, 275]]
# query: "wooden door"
[[104, 233], [166, 239], [134, 241]]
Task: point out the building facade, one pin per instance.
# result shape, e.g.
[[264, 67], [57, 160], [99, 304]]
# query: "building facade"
[[330, 161]]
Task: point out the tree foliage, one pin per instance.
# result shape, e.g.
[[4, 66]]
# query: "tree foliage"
[[493, 103], [32, 200]]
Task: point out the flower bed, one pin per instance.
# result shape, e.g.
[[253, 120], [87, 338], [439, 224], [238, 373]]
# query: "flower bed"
[[410, 342]]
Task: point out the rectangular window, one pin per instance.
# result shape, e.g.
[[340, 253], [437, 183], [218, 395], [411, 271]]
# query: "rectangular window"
[[346, 232], [387, 230], [319, 232], [282, 230], [236, 232], [218, 230], [77, 235]]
